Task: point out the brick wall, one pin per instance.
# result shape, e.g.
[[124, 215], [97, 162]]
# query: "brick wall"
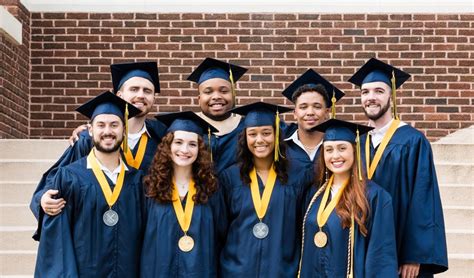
[[14, 77], [71, 52]]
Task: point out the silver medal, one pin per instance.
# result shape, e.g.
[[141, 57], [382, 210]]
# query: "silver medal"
[[260, 230], [110, 218]]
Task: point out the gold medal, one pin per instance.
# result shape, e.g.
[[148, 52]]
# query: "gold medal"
[[320, 239], [186, 243]]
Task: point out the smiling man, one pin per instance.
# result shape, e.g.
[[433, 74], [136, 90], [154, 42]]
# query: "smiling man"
[[399, 158]]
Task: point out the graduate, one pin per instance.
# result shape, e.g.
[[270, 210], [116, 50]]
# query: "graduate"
[[399, 158], [136, 83], [217, 96], [182, 203], [348, 228], [263, 196], [100, 231], [315, 101]]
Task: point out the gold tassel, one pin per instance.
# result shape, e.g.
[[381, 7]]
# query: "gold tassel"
[[359, 166], [125, 138], [277, 137], [333, 105], [232, 86], [209, 141], [394, 95]]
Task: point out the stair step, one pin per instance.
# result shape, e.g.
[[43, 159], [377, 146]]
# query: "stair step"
[[460, 265], [457, 194], [16, 192], [450, 152], [459, 217], [17, 263], [460, 241], [16, 215], [458, 173], [17, 238], [24, 169], [32, 148]]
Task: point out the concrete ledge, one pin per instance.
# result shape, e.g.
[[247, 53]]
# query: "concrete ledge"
[[10, 26]]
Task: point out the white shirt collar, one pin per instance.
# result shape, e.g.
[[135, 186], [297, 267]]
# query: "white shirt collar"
[[133, 138], [112, 175], [376, 135], [297, 141]]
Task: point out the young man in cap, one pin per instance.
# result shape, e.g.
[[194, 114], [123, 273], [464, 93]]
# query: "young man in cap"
[[216, 85], [312, 95], [99, 234], [136, 83], [399, 158]]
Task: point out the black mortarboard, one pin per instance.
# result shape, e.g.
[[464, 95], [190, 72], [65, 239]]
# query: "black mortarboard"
[[212, 68], [185, 121], [122, 72], [259, 113], [338, 130], [107, 103], [375, 70]]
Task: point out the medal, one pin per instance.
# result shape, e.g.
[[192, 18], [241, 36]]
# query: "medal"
[[320, 239], [186, 243], [260, 230], [110, 218]]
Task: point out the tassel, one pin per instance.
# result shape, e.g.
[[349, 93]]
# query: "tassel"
[[394, 95], [277, 137], [209, 141], [125, 138], [333, 105], [359, 166], [232, 87]]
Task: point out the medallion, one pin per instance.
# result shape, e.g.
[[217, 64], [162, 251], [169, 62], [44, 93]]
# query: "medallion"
[[320, 239], [186, 243], [260, 230], [110, 218]]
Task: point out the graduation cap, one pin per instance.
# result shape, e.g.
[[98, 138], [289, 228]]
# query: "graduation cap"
[[338, 130], [377, 71], [109, 103], [123, 72], [261, 114]]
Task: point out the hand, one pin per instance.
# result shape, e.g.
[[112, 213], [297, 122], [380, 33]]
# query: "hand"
[[409, 270], [75, 133], [52, 206]]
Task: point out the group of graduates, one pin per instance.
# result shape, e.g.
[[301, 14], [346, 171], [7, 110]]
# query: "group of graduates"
[[237, 192]]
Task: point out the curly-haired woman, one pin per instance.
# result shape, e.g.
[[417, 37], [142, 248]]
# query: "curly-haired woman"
[[181, 188]]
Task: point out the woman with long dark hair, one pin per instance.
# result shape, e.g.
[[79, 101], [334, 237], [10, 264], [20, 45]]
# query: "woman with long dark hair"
[[181, 188], [348, 226], [263, 195]]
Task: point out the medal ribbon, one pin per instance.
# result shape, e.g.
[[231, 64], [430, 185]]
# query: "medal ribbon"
[[110, 197], [184, 216], [323, 211], [136, 161], [378, 155], [261, 204]]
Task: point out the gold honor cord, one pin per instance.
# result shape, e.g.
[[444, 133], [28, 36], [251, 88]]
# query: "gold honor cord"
[[261, 205], [394, 95], [136, 161], [125, 138], [110, 197], [378, 155], [185, 243], [324, 212], [333, 104], [277, 138], [350, 263], [232, 84]]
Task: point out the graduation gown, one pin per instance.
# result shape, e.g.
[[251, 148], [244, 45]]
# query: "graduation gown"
[[77, 243], [82, 148], [375, 255], [277, 255], [161, 256], [406, 170]]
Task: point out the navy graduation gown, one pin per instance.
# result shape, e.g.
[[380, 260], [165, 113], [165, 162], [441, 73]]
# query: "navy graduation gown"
[[161, 256], [77, 243], [375, 255], [277, 255], [82, 148], [406, 170]]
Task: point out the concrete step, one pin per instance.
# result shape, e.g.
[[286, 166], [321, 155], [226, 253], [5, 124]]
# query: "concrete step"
[[16, 192], [453, 152], [460, 241], [460, 266], [454, 173], [32, 148], [462, 136], [24, 170], [17, 238], [459, 217], [16, 215], [17, 263], [457, 194]]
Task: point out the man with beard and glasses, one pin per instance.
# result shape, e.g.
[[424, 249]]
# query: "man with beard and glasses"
[[100, 232], [136, 83], [399, 158], [216, 85], [312, 95]]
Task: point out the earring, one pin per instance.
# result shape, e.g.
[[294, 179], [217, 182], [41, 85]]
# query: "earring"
[[326, 173]]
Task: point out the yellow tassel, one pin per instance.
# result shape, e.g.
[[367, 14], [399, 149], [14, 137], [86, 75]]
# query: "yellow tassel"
[[209, 141], [333, 105], [232, 86], [359, 166], [125, 138], [394, 95], [277, 137]]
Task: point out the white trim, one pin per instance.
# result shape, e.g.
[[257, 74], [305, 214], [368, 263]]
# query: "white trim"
[[255, 6], [10, 26]]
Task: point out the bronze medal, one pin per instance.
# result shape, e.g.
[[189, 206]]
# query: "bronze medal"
[[320, 239]]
